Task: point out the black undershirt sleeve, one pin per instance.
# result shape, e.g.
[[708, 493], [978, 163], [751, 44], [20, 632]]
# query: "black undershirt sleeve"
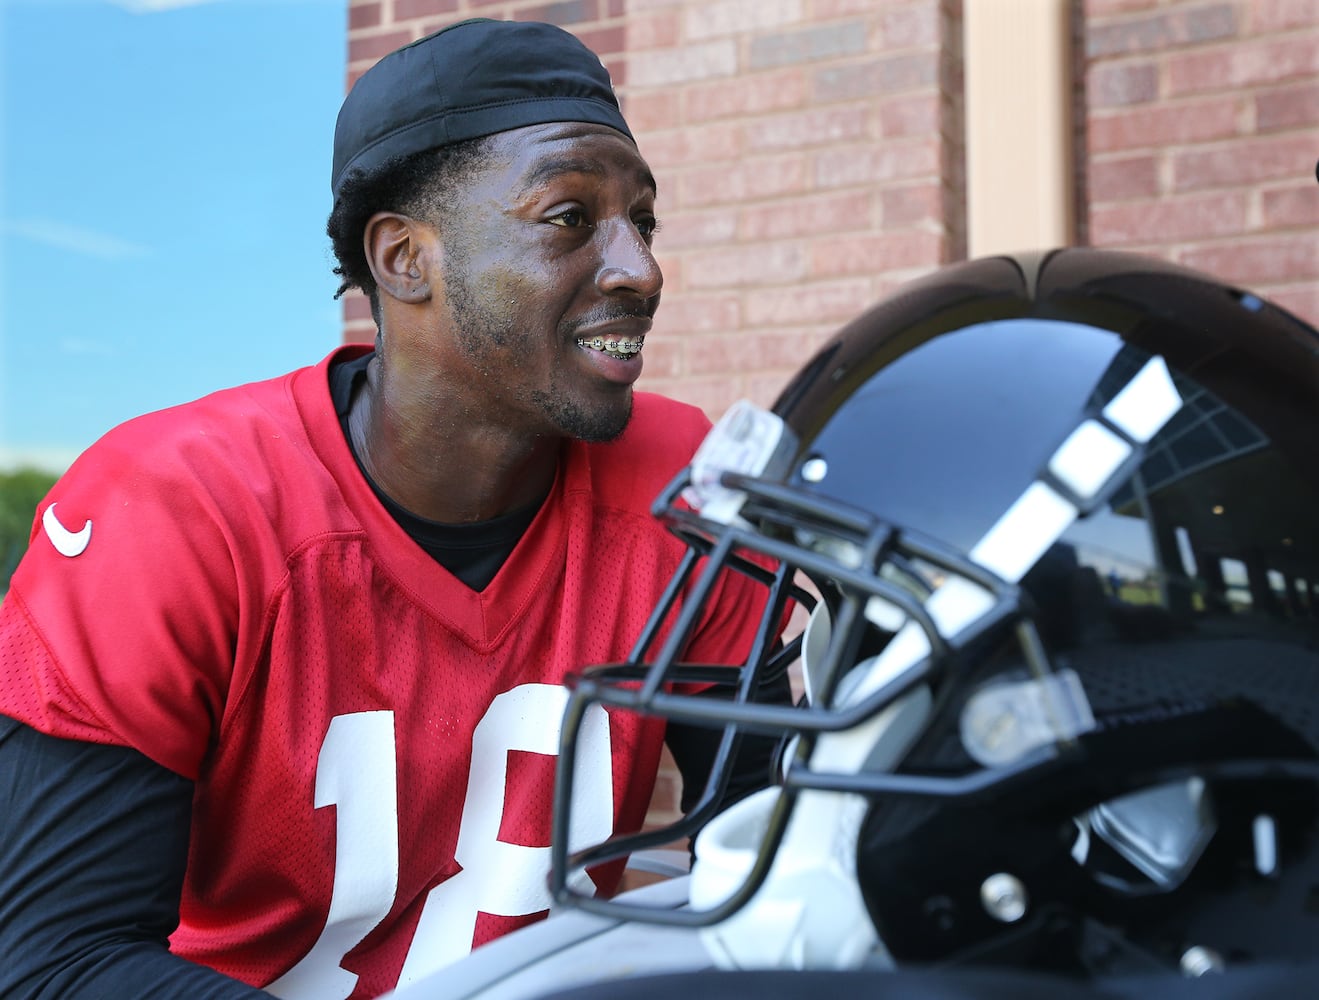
[[93, 847], [694, 748]]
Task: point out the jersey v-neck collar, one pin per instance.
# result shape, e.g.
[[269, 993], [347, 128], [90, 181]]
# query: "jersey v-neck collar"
[[481, 618], [472, 552]]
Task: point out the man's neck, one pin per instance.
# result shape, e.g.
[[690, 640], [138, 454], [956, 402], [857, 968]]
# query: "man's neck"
[[441, 470]]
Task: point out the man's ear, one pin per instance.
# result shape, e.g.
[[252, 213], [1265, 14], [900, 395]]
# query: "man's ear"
[[397, 251]]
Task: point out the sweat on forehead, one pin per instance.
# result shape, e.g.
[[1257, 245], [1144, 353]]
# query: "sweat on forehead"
[[471, 79]]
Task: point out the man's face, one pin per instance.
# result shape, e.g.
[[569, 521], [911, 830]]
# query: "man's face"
[[549, 279]]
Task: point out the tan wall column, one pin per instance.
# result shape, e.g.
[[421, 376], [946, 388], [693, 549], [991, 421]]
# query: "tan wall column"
[[1018, 74]]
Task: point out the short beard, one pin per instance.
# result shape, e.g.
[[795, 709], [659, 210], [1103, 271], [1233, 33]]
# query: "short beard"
[[479, 329], [597, 427]]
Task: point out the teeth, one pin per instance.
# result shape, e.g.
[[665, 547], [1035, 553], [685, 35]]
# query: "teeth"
[[613, 345]]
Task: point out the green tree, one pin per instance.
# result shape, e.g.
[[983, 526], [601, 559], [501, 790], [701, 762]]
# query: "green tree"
[[20, 492]]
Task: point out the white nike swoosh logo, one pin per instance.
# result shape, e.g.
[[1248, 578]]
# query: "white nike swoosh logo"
[[66, 542]]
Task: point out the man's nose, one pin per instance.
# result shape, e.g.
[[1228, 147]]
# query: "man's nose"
[[627, 263]]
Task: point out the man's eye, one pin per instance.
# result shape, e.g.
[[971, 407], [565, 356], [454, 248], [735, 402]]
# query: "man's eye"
[[647, 226], [572, 218]]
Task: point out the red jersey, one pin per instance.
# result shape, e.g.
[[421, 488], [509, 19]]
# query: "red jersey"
[[372, 742]]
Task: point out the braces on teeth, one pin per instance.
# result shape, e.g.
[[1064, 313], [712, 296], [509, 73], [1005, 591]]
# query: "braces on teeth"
[[613, 345]]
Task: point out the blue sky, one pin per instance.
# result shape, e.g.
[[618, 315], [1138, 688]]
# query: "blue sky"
[[164, 183]]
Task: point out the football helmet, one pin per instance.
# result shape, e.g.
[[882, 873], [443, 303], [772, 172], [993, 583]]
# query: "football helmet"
[[1055, 520]]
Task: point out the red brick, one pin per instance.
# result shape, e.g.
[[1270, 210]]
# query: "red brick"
[[811, 128], [910, 26], [763, 390], [876, 252], [671, 267], [1241, 65], [745, 95], [1164, 124], [1111, 84], [811, 44], [602, 41], [738, 17], [641, 6], [1169, 220], [1279, 15], [1097, 9], [1290, 207], [372, 47], [364, 15], [876, 77], [692, 146], [411, 10], [1122, 179], [806, 217], [664, 351], [876, 164], [916, 114], [684, 230], [735, 351], [1161, 31], [755, 264], [356, 306], [358, 331], [692, 314], [1287, 107], [663, 67], [1278, 259], [760, 178], [903, 206], [616, 67], [828, 10], [834, 301], [1244, 162], [788, 349], [652, 31], [650, 111]]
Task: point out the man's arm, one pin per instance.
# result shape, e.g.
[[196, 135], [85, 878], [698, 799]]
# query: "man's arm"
[[93, 848], [694, 748]]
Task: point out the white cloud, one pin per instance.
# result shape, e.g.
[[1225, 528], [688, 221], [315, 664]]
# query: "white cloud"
[[156, 6], [64, 236]]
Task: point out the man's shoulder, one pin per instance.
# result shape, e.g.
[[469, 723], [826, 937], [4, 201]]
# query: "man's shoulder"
[[233, 421], [222, 451]]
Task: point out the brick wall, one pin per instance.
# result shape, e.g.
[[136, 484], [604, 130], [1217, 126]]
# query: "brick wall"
[[809, 155], [1203, 130]]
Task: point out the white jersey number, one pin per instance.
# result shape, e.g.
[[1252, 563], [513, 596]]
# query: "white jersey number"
[[356, 773]]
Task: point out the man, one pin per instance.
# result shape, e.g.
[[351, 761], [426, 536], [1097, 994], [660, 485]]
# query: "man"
[[281, 674]]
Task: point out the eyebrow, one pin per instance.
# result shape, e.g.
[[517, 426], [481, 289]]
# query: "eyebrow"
[[557, 166]]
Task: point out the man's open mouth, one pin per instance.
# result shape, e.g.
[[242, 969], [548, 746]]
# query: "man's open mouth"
[[619, 347]]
